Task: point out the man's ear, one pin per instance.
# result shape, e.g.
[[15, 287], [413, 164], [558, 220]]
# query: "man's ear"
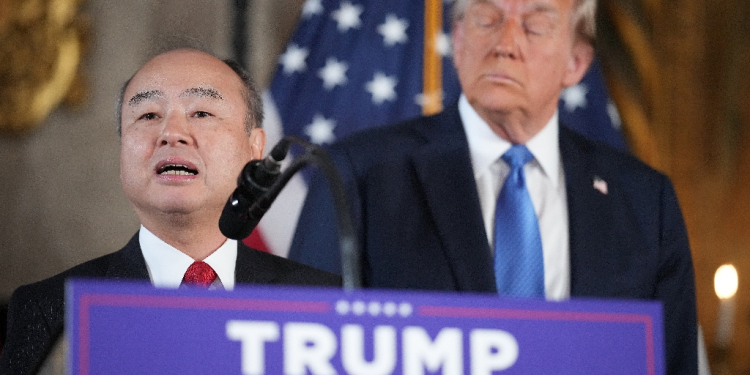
[[257, 141], [581, 56]]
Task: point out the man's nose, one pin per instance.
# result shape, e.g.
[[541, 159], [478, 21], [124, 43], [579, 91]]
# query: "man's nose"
[[509, 37], [175, 130]]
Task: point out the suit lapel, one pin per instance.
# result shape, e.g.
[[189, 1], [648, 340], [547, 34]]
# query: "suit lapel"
[[590, 221], [248, 268], [443, 167], [128, 262]]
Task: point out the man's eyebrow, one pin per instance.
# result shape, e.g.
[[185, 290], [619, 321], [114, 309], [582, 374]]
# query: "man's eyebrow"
[[541, 8], [145, 95], [202, 92]]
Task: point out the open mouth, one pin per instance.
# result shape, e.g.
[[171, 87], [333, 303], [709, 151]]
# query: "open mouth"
[[177, 170]]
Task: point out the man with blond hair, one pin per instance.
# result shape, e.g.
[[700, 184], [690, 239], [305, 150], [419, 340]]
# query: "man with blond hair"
[[495, 195]]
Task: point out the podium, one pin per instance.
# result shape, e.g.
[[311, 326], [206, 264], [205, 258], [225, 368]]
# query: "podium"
[[127, 328]]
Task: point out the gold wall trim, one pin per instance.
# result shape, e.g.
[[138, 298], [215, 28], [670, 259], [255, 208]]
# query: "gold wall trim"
[[40, 60]]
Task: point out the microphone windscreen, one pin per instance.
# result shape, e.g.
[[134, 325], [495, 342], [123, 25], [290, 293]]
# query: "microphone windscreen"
[[234, 222]]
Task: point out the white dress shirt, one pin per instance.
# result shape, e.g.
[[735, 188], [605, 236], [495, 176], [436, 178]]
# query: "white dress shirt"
[[167, 265], [545, 180]]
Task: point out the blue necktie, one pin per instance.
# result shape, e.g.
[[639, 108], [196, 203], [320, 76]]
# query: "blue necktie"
[[519, 263]]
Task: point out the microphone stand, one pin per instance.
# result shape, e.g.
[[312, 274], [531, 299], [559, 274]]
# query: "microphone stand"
[[348, 246]]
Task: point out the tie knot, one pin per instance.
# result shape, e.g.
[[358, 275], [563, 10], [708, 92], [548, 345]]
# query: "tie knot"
[[517, 156], [199, 274]]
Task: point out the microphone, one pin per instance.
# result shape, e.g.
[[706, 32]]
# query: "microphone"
[[261, 182], [257, 177]]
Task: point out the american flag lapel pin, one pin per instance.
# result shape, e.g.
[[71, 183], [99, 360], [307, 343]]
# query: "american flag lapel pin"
[[600, 185]]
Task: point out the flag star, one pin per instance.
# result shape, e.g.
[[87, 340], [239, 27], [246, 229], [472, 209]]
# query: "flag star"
[[293, 59], [333, 73], [347, 16], [614, 115], [311, 8], [393, 30], [382, 88], [443, 44], [320, 130], [574, 97]]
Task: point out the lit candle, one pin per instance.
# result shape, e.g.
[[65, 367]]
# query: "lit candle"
[[725, 285]]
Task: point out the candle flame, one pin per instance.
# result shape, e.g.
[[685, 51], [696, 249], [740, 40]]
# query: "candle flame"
[[726, 281]]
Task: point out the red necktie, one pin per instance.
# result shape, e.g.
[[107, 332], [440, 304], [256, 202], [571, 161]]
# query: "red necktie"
[[199, 274]]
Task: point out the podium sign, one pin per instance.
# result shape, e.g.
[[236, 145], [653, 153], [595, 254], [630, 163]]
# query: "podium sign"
[[129, 328]]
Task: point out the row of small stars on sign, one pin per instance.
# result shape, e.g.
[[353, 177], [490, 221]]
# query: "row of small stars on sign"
[[374, 308]]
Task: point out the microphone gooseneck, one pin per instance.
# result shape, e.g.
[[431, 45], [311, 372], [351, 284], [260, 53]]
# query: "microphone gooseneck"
[[260, 183]]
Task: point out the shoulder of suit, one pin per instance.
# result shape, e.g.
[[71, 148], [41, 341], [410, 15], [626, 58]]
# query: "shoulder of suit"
[[415, 129], [290, 272], [47, 296], [396, 143], [90, 269], [607, 157]]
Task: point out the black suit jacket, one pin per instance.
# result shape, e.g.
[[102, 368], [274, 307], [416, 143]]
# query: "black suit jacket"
[[36, 312], [417, 213]]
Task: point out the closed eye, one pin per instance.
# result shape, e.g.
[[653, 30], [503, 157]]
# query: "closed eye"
[[540, 24]]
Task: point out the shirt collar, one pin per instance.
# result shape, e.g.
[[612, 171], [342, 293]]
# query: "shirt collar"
[[486, 147], [167, 265]]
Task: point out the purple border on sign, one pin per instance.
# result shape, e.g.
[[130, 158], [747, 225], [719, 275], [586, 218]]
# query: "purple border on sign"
[[516, 314], [88, 300]]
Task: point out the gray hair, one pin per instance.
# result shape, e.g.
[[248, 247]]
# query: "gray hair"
[[584, 17], [253, 101], [250, 93]]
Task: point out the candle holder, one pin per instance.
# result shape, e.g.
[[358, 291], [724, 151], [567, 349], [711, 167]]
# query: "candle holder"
[[720, 360], [726, 282]]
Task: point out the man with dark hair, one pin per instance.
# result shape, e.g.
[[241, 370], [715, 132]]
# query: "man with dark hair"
[[188, 124], [494, 195]]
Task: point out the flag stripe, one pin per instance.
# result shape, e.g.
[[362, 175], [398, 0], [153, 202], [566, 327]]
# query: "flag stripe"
[[277, 227]]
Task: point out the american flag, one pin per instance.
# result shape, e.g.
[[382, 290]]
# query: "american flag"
[[355, 64]]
